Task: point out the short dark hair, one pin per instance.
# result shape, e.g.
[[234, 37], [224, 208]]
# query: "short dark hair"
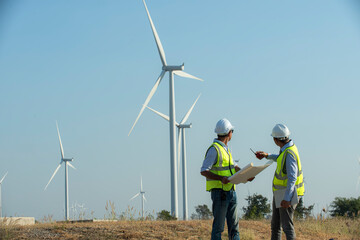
[[223, 136], [283, 140]]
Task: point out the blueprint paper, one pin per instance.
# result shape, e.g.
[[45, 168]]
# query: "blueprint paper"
[[247, 172]]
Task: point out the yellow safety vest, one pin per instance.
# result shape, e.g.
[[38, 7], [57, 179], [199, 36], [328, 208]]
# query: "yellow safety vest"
[[224, 166], [280, 178]]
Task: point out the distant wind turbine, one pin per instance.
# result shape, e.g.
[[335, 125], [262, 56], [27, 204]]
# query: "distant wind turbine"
[[178, 70], [142, 193], [1, 181], [74, 208], [67, 162], [181, 132]]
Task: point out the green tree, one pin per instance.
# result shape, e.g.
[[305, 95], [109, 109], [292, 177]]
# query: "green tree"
[[202, 212], [348, 207], [257, 208], [165, 216], [302, 212]]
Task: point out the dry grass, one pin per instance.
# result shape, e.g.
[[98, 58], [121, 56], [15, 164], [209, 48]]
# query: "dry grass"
[[338, 228], [195, 229], [7, 228]]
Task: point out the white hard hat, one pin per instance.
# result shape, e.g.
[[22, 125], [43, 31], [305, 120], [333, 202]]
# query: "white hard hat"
[[223, 127], [280, 131]]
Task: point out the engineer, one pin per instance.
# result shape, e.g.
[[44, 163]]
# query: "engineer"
[[218, 165], [288, 180]]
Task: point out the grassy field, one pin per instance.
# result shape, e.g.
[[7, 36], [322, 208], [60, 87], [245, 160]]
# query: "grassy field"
[[340, 229]]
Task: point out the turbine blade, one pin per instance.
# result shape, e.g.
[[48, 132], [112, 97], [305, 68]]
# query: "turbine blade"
[[157, 39], [141, 184], [57, 169], [190, 110], [153, 90], [71, 165], [178, 156], [3, 178], [61, 147], [159, 113], [134, 196], [162, 115], [186, 75], [144, 198]]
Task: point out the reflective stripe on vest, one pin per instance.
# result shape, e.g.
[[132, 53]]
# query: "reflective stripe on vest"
[[278, 187], [224, 166], [280, 178]]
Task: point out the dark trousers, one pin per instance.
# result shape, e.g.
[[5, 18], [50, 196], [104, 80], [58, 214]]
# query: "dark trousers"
[[224, 207], [282, 217]]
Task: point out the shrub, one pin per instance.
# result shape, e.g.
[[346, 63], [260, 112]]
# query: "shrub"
[[202, 212], [348, 207], [165, 216], [257, 208], [302, 212]]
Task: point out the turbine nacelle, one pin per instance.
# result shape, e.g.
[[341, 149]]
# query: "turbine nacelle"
[[173, 68], [185, 125], [68, 159]]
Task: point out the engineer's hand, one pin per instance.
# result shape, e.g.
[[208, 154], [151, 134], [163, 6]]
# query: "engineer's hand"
[[285, 204], [250, 179], [225, 180], [261, 154]]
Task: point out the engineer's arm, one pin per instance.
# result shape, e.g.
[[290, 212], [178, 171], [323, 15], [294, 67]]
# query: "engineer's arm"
[[209, 161], [261, 154], [292, 170], [214, 176]]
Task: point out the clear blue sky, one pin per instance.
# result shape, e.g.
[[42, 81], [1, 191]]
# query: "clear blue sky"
[[90, 65]]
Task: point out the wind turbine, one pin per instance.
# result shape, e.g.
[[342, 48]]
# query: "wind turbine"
[[181, 132], [142, 193], [1, 181], [67, 163], [178, 70]]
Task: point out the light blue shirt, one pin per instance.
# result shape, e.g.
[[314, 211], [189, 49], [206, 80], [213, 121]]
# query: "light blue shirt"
[[211, 156], [291, 169]]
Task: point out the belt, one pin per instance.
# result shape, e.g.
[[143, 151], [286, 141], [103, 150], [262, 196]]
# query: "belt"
[[220, 189]]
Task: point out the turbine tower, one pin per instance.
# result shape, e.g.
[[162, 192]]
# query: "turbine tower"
[[177, 70], [142, 193], [67, 163], [181, 132], [1, 181]]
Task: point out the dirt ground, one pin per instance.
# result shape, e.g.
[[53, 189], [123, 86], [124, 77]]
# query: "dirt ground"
[[194, 229]]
